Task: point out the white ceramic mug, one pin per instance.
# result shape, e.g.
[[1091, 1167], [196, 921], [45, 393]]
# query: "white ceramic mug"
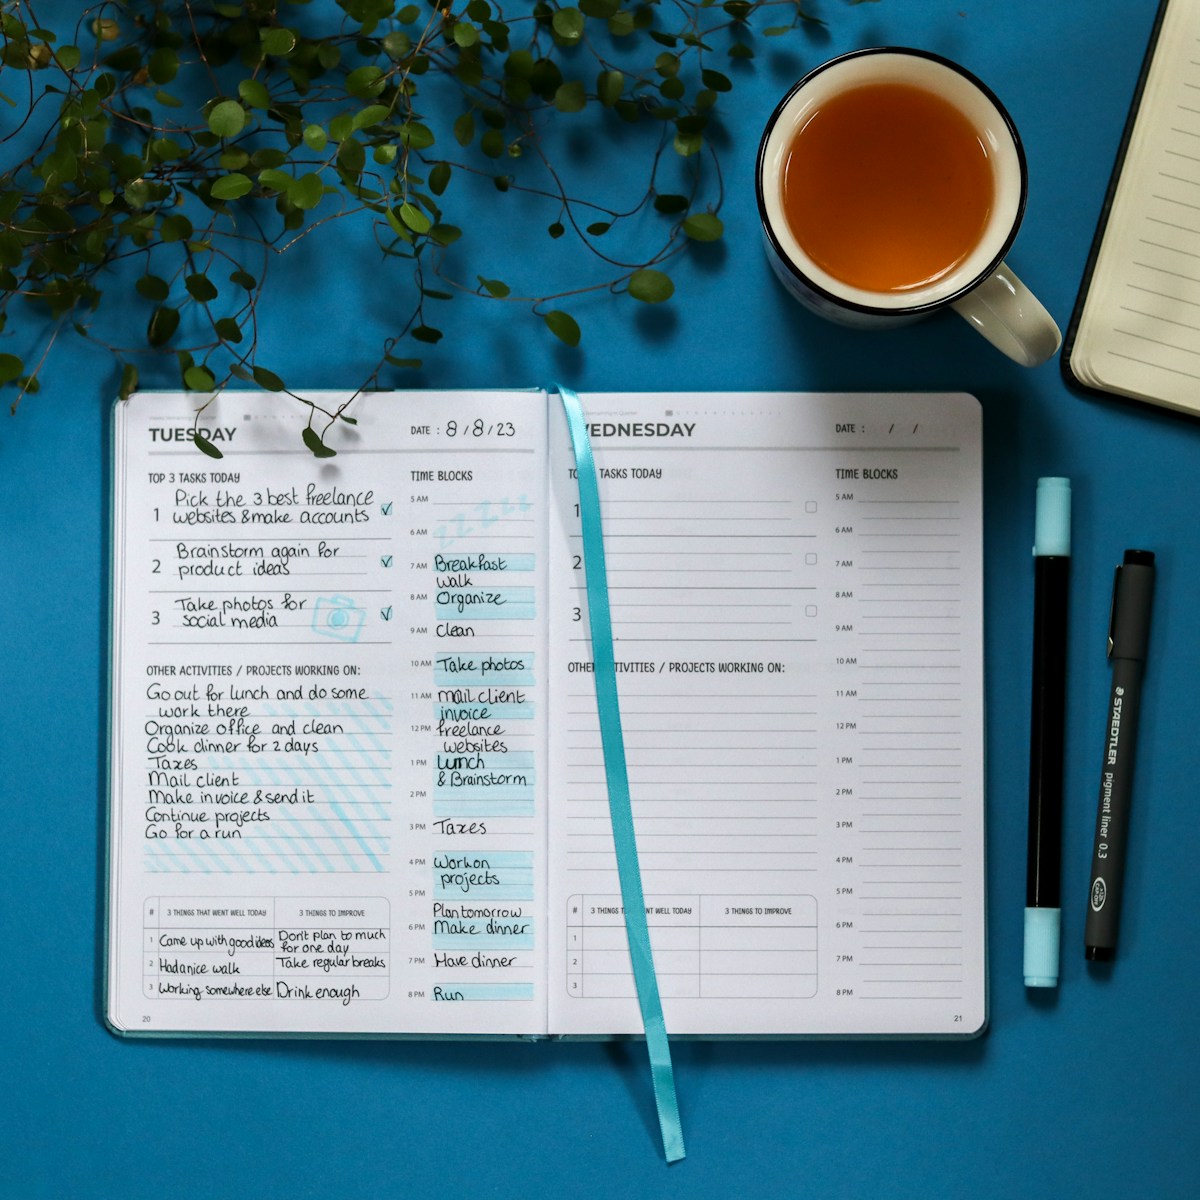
[[980, 287]]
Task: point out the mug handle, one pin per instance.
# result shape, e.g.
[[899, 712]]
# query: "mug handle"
[[1011, 317]]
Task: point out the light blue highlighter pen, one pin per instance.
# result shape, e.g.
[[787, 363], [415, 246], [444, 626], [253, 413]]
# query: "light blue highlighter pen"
[[1043, 880]]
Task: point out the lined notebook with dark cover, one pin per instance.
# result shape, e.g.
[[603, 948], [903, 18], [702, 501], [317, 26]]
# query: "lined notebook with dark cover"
[[1136, 327]]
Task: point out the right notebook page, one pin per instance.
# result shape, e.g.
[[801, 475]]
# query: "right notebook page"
[[1139, 328], [796, 587]]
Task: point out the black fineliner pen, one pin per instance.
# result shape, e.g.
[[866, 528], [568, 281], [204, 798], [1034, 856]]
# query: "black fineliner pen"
[[1128, 636]]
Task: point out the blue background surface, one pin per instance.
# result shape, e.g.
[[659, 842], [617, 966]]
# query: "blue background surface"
[[1092, 1088]]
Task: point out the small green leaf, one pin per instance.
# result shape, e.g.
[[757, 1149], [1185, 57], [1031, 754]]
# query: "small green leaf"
[[439, 178], [650, 286], [254, 93], [556, 230], [464, 129], [68, 57], [277, 40], [307, 191], [11, 367], [365, 81], [244, 280], [315, 137], [198, 379], [609, 86], [162, 67], [312, 440], [669, 202], [716, 81], [414, 218], [204, 445], [465, 34], [703, 227], [397, 226], [667, 65], [12, 249], [416, 136], [129, 381], [227, 119], [397, 44], [519, 65], [492, 143], [228, 330], [570, 97], [277, 181], [231, 186], [621, 24], [162, 325], [494, 287], [175, 228], [427, 334], [371, 115], [200, 287], [568, 24], [268, 379], [153, 288], [563, 326]]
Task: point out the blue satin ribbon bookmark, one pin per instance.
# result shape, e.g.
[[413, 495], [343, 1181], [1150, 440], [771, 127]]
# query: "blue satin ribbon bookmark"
[[617, 774]]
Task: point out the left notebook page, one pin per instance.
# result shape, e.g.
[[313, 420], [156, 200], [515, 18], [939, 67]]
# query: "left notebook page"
[[327, 714]]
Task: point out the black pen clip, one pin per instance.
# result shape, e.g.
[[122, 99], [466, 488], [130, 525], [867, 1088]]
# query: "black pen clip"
[[1112, 611]]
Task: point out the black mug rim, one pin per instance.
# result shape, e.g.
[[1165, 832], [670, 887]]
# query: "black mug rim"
[[911, 309]]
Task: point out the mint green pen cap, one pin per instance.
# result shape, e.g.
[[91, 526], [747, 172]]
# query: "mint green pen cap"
[[1042, 926], [1052, 521]]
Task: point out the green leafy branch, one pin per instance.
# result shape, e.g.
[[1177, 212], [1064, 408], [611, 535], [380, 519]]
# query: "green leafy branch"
[[170, 151]]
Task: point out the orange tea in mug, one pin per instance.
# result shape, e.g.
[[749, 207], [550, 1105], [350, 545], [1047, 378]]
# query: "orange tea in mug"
[[887, 186], [891, 184]]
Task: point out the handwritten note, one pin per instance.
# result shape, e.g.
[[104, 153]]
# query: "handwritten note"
[[328, 680]]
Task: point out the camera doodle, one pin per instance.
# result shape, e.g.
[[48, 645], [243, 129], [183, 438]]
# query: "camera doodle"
[[338, 617]]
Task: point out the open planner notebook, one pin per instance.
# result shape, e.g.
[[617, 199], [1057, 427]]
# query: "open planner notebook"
[[1136, 327], [356, 783]]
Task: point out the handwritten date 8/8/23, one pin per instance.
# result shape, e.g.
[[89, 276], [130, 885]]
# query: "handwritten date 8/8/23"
[[480, 428]]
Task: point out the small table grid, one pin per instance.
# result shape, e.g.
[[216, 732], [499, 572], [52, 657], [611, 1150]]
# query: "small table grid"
[[727, 947]]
